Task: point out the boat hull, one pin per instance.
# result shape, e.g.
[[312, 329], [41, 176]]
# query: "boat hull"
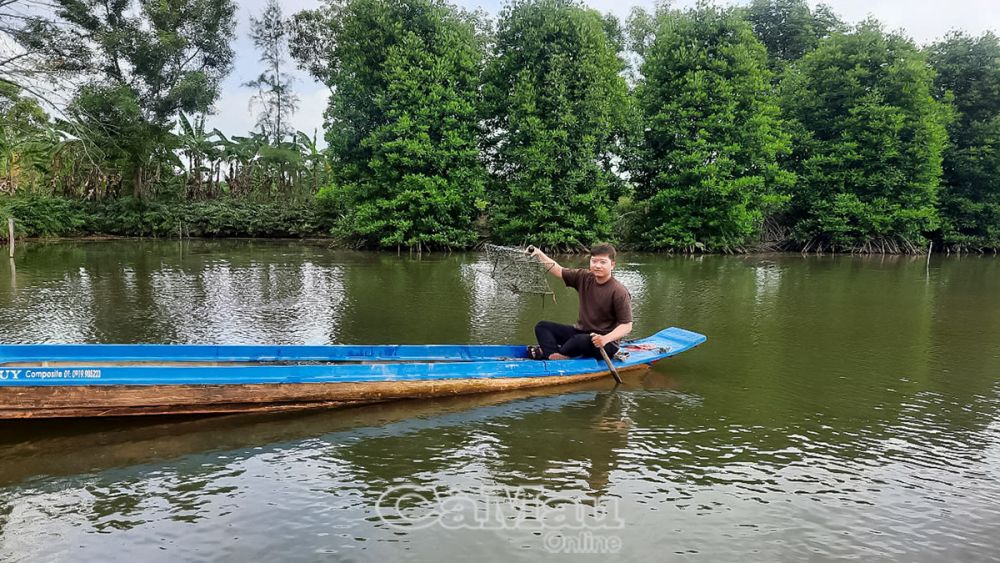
[[125, 380], [128, 400]]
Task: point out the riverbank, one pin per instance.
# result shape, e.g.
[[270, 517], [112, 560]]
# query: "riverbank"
[[46, 218], [51, 217]]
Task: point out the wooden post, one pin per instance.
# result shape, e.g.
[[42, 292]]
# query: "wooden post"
[[10, 231], [930, 249]]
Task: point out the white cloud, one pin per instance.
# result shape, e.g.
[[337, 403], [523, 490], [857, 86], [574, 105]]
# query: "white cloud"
[[232, 113]]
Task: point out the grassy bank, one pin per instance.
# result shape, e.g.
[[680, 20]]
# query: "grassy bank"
[[59, 217]]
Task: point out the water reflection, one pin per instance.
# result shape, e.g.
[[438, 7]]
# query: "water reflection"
[[141, 292], [57, 310], [651, 451], [274, 303], [768, 277], [405, 300], [340, 470], [491, 306], [843, 407]]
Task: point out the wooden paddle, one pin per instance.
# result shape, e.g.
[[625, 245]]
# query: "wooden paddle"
[[607, 361]]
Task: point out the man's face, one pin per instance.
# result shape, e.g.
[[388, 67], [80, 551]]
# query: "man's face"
[[601, 265]]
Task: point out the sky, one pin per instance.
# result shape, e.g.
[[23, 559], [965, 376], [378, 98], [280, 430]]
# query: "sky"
[[922, 20]]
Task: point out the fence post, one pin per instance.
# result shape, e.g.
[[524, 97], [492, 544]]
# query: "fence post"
[[10, 231]]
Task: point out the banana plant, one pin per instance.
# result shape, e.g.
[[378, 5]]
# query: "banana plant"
[[241, 156], [78, 165], [201, 151], [311, 155], [281, 163], [24, 153]]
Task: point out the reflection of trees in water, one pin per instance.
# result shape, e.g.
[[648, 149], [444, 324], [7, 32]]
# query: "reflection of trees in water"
[[564, 449], [368, 450], [264, 303], [401, 300], [109, 501], [267, 296], [202, 291], [960, 397], [562, 442], [831, 355], [450, 447], [186, 489], [816, 371], [251, 291], [51, 447], [494, 311], [657, 442], [59, 309]]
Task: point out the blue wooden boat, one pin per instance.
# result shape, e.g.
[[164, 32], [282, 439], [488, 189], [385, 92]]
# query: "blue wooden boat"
[[76, 380]]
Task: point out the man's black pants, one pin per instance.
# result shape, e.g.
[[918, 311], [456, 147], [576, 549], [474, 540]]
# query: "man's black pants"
[[568, 341]]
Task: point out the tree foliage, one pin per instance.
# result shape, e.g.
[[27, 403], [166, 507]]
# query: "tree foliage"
[[26, 140], [789, 28], [706, 172], [143, 61], [968, 74], [555, 107], [401, 124], [868, 140], [701, 130], [274, 96]]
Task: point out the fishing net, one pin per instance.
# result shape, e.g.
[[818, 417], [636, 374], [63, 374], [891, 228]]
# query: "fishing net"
[[516, 270]]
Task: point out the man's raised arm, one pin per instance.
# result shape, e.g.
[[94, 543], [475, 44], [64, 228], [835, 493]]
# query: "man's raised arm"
[[554, 268]]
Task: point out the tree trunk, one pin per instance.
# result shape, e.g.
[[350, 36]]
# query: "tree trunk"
[[137, 183]]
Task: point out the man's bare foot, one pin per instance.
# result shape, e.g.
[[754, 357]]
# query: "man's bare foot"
[[558, 356]]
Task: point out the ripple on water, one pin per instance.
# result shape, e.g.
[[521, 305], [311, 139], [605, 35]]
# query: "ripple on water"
[[770, 443]]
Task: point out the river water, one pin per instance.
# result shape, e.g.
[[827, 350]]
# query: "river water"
[[842, 407]]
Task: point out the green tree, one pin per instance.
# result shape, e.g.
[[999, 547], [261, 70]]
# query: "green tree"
[[968, 73], [706, 172], [313, 158], [202, 153], [146, 60], [555, 106], [36, 51], [789, 28], [26, 139], [239, 155], [640, 29], [280, 167], [868, 139], [402, 125], [274, 94]]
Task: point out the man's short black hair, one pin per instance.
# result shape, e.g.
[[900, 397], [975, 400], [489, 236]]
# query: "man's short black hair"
[[603, 249]]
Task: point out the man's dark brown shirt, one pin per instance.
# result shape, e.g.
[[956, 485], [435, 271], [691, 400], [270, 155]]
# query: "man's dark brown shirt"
[[602, 306]]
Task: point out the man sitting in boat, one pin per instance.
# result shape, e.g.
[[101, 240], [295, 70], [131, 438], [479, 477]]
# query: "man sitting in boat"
[[605, 310]]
